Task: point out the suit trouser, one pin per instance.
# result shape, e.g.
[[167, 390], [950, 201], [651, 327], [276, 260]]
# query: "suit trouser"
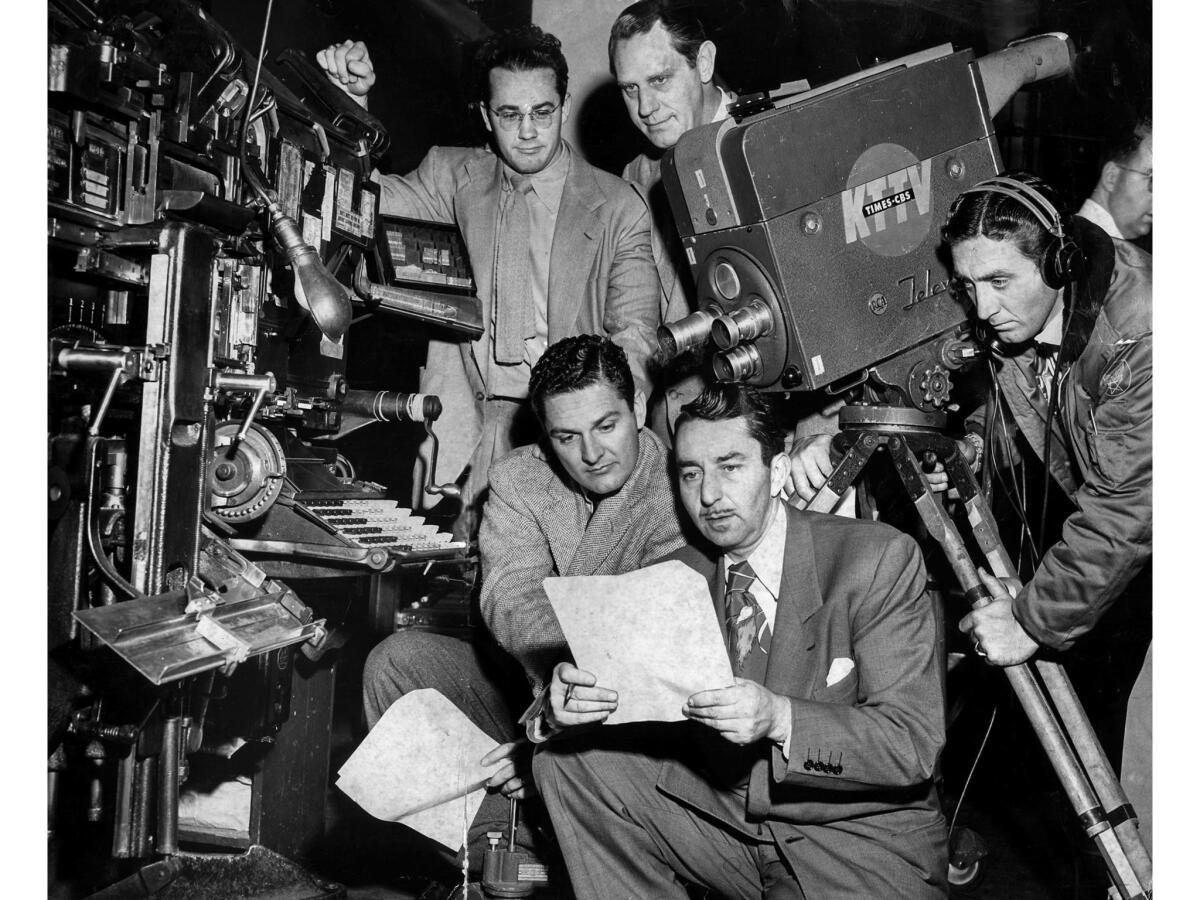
[[622, 839], [478, 678]]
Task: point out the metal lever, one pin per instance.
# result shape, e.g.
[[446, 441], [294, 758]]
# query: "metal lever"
[[260, 385], [123, 363], [446, 490]]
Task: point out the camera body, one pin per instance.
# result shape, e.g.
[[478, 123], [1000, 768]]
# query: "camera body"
[[812, 231]]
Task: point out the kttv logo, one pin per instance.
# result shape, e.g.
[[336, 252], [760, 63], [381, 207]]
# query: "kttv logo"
[[886, 201]]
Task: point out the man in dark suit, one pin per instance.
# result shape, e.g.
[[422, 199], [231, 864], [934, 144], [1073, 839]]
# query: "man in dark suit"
[[811, 775]]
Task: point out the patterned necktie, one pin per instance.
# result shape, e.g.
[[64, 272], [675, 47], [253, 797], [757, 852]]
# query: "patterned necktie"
[[1045, 363], [745, 622], [511, 297]]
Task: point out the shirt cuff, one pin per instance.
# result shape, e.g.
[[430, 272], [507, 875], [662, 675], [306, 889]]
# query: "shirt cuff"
[[537, 729]]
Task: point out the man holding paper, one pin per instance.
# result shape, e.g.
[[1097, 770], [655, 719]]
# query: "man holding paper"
[[812, 774], [599, 502]]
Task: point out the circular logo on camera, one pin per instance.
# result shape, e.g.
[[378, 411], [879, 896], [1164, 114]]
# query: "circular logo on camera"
[[886, 204]]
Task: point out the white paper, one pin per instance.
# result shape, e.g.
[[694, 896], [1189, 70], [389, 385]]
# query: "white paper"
[[419, 766], [651, 635]]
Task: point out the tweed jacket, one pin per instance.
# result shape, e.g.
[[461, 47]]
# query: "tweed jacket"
[[536, 523], [853, 806], [1100, 452], [602, 276]]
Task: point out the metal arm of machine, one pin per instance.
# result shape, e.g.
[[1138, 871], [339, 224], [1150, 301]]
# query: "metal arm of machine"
[[259, 385]]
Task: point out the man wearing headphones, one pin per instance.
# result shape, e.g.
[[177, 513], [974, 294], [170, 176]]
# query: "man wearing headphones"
[[1069, 309]]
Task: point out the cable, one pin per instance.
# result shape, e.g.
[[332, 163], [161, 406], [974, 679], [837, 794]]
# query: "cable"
[[249, 108], [971, 773], [1052, 403]]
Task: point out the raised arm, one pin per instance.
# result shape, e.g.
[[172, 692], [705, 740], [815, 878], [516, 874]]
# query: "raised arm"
[[348, 65]]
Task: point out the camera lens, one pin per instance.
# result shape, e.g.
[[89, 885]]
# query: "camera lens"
[[690, 331], [739, 364], [726, 280]]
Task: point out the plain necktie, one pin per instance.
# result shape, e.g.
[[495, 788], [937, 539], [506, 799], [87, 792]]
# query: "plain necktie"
[[514, 305]]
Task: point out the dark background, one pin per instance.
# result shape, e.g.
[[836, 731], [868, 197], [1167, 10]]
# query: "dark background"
[[422, 94]]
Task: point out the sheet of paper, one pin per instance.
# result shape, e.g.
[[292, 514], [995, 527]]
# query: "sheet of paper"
[[419, 766], [651, 635]]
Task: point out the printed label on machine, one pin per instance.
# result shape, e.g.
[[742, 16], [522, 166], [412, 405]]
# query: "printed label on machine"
[[886, 201]]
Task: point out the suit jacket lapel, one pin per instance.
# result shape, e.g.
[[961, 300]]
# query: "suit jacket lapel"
[[799, 597], [563, 533], [477, 206], [577, 231]]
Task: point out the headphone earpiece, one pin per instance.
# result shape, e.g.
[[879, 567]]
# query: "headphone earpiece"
[[1062, 263]]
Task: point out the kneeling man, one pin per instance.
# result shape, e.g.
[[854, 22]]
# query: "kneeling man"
[[811, 775]]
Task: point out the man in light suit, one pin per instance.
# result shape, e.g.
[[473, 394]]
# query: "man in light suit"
[[557, 248], [811, 775], [598, 503]]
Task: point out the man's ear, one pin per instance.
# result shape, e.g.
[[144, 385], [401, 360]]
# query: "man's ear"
[[1109, 175], [566, 106], [639, 408], [483, 111], [781, 468], [706, 61]]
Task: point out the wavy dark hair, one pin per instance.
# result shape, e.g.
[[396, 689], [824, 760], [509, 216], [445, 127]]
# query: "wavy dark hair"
[[521, 49], [721, 402], [1003, 218], [578, 362]]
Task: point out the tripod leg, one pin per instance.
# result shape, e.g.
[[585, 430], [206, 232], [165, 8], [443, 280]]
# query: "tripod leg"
[[1119, 811], [1062, 758], [1116, 805], [842, 477]]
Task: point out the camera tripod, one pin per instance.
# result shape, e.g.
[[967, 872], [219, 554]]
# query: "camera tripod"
[[914, 439]]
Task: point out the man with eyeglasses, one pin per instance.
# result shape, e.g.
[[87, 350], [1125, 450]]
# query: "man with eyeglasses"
[[1123, 199], [557, 246]]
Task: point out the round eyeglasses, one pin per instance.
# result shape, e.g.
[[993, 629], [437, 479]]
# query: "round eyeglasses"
[[510, 119], [1149, 176]]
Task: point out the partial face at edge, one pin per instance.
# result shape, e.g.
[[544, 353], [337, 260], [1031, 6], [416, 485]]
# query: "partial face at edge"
[[1131, 197]]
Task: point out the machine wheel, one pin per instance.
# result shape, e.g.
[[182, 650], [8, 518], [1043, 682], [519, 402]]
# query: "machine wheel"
[[246, 477]]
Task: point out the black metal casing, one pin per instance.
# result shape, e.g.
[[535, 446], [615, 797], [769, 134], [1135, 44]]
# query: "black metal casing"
[[829, 209]]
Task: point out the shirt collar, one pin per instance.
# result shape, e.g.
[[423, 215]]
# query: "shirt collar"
[[547, 183], [723, 106], [1098, 215], [767, 558]]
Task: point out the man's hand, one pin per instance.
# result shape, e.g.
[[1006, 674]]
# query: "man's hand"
[[575, 699], [998, 635], [812, 463], [939, 480], [512, 779], [348, 65], [742, 713]]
